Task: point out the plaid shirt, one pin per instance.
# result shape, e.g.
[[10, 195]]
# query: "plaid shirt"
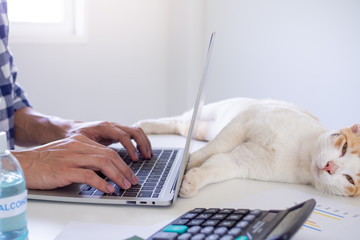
[[12, 97]]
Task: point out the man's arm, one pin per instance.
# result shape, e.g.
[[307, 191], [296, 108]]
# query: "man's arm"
[[33, 128], [73, 151]]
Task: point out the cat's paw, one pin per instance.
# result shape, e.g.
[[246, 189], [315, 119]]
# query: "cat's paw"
[[146, 125], [157, 126], [189, 186]]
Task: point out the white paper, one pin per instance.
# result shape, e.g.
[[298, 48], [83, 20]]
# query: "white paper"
[[95, 231]]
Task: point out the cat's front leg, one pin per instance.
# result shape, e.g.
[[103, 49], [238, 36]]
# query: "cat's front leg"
[[197, 158], [225, 142], [218, 168], [163, 126]]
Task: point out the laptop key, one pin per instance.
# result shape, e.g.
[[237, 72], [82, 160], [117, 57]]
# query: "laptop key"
[[134, 190], [149, 184], [130, 194], [87, 193], [151, 181], [142, 174], [98, 193], [145, 194], [150, 188]]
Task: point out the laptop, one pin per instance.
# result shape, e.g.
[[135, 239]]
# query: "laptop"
[[160, 187]]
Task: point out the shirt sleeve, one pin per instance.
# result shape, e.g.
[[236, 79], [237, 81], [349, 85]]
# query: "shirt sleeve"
[[20, 99]]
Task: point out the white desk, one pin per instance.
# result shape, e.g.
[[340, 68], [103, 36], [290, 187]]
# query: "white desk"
[[47, 219]]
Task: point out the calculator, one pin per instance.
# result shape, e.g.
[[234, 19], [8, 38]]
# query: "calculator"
[[236, 224]]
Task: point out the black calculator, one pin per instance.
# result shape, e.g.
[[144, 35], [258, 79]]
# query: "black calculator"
[[236, 224]]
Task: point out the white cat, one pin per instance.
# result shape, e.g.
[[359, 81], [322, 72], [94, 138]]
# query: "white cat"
[[266, 140]]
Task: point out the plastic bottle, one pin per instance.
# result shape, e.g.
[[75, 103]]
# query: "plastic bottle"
[[13, 195]]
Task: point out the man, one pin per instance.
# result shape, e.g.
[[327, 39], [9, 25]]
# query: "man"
[[66, 151]]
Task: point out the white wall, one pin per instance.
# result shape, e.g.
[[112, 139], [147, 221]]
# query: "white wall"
[[306, 52], [119, 73], [186, 53]]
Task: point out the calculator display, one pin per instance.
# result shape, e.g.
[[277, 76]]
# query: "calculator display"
[[284, 224], [269, 217]]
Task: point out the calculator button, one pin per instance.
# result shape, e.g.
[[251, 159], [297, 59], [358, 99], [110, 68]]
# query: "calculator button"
[[220, 231], [181, 221], [212, 237], [176, 229], [242, 238], [207, 230], [165, 236], [256, 212], [242, 211], [185, 236], [197, 210], [219, 216], [235, 217], [227, 237], [212, 210], [227, 223], [199, 236], [195, 222], [242, 224], [226, 210], [249, 218], [210, 222], [235, 231], [194, 229], [189, 215], [204, 215]]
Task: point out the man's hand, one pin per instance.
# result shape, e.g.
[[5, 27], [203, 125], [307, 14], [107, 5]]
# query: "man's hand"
[[75, 159], [109, 132]]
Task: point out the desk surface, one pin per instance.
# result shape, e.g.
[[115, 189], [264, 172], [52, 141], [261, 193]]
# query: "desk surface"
[[47, 219]]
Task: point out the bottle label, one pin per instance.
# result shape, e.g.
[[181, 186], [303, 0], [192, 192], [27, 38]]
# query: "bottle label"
[[13, 206]]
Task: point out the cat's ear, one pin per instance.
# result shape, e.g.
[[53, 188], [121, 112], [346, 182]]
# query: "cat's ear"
[[356, 129]]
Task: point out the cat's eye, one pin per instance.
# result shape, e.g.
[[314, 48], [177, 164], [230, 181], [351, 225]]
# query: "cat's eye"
[[350, 179], [344, 148]]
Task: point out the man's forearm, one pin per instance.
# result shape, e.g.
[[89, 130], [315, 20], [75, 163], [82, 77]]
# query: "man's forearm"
[[33, 128]]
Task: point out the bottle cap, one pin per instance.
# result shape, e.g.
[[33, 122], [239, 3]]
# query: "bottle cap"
[[3, 142]]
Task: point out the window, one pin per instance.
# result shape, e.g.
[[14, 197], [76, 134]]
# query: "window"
[[46, 21]]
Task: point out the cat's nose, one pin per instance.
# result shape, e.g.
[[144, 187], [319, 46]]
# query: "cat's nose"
[[330, 167]]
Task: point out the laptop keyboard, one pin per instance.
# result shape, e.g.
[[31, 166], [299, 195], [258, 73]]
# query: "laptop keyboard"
[[151, 173]]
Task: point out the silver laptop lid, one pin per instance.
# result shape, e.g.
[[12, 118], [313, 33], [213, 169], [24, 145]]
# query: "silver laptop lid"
[[199, 103]]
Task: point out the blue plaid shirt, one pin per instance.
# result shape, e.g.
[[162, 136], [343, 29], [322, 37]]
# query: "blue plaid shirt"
[[12, 97]]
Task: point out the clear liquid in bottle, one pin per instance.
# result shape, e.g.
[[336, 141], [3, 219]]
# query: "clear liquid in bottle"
[[13, 195]]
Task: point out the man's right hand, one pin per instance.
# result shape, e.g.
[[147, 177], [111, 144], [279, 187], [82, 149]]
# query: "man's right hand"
[[74, 160]]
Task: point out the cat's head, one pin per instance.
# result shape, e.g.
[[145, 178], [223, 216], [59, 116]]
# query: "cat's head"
[[337, 162]]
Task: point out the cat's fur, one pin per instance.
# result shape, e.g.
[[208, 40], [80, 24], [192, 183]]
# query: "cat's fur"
[[266, 140]]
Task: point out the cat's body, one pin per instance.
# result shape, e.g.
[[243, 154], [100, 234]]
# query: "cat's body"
[[266, 140]]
